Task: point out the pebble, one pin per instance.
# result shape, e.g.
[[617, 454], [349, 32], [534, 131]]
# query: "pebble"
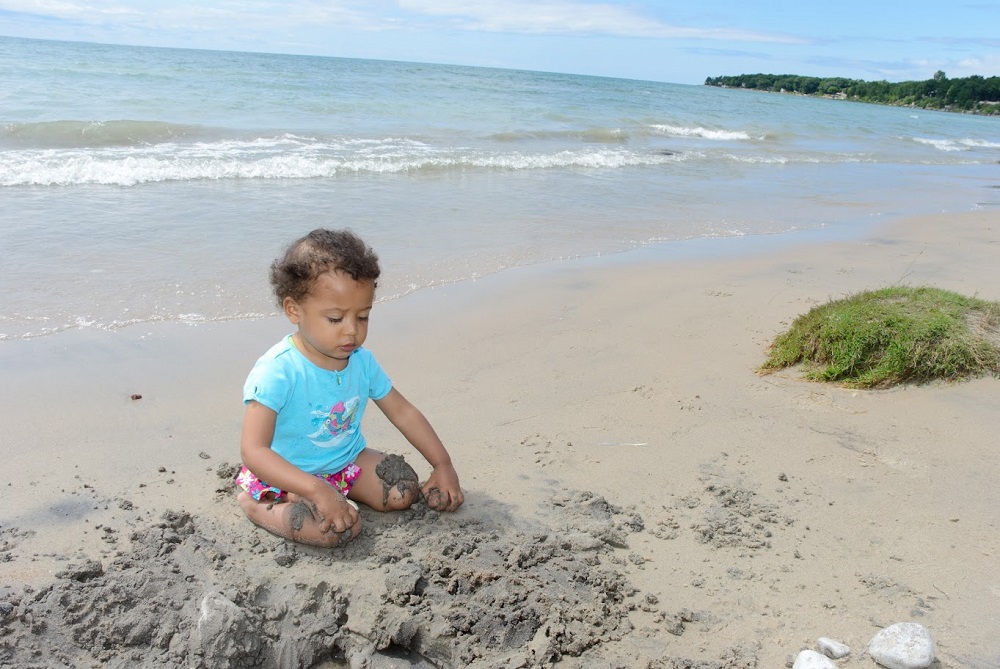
[[903, 646], [810, 659], [832, 648]]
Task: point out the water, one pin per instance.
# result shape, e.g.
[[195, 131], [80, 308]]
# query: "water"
[[140, 185]]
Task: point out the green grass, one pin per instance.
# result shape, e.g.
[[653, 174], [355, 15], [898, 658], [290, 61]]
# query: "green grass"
[[881, 338]]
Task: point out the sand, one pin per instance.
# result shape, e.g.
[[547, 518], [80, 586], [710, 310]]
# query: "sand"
[[637, 496]]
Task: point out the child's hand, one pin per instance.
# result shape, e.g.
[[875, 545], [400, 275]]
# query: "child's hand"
[[442, 490], [331, 511]]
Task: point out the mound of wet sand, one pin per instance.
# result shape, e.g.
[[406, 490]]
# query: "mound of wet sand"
[[416, 589]]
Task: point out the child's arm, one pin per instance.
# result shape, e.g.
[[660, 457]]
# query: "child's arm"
[[326, 504], [418, 431]]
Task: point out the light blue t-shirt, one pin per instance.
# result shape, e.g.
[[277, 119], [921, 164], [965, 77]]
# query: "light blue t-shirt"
[[318, 428]]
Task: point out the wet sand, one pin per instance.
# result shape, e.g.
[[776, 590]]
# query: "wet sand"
[[636, 494]]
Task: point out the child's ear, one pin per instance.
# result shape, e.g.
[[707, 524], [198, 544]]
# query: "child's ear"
[[291, 309]]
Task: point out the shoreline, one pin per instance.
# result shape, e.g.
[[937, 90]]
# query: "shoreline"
[[750, 514], [690, 249]]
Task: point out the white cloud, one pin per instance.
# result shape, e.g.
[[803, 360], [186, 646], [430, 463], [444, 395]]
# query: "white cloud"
[[550, 17], [569, 17], [982, 65], [220, 15]]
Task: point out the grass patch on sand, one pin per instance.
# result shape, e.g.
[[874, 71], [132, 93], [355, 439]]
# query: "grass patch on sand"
[[881, 338]]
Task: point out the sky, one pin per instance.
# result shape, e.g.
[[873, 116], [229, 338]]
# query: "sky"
[[657, 40]]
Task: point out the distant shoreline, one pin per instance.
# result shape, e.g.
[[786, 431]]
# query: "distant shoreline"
[[970, 95], [841, 96]]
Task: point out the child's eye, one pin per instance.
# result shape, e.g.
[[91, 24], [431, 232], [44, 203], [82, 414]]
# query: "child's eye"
[[334, 320], [363, 318]]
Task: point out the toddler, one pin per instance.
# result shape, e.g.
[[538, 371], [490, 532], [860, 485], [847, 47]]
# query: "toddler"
[[304, 456]]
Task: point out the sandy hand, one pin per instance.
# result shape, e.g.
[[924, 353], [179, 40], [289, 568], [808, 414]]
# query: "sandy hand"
[[332, 512], [442, 490]]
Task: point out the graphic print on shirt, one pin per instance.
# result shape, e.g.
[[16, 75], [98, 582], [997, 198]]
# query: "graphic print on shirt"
[[334, 424]]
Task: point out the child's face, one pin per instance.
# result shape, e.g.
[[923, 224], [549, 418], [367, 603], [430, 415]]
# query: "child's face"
[[332, 319]]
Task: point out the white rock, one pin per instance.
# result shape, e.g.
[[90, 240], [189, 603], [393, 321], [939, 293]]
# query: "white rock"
[[903, 646], [832, 648], [810, 659]]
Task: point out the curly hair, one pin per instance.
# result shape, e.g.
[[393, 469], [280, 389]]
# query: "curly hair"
[[317, 253]]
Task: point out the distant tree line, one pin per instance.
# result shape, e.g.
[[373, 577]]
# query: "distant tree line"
[[973, 94]]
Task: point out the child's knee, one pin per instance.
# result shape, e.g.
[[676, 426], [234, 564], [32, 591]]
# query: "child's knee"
[[398, 497], [400, 486]]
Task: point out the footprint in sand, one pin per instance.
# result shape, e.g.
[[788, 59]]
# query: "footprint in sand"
[[541, 448]]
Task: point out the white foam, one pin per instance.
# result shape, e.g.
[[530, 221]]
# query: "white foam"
[[939, 144], [981, 144], [261, 159], [704, 133]]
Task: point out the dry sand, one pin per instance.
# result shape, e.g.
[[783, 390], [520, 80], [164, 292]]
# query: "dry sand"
[[636, 495]]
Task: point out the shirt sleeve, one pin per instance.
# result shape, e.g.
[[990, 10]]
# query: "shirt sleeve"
[[267, 384], [379, 384]]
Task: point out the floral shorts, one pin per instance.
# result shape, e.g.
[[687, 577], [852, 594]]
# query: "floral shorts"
[[342, 481]]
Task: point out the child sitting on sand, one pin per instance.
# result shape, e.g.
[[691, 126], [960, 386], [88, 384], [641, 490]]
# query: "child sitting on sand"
[[303, 452]]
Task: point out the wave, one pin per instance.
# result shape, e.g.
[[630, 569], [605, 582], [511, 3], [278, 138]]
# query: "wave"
[[940, 144], [957, 144], [128, 133], [981, 144], [24, 327], [288, 157], [291, 156], [70, 134], [623, 135], [703, 133]]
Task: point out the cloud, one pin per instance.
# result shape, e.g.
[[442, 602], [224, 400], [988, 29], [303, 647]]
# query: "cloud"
[[219, 15], [978, 65], [542, 17], [572, 17], [965, 42], [726, 53]]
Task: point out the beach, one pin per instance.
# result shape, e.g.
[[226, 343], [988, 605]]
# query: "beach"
[[636, 493]]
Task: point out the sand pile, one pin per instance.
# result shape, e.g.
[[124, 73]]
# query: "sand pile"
[[477, 590]]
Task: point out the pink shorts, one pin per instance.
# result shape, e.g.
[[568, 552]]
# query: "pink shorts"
[[342, 481]]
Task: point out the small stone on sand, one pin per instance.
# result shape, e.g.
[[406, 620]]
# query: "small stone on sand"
[[832, 648], [903, 646], [810, 659]]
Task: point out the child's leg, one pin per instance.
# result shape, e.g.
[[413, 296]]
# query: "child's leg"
[[291, 519], [386, 482]]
